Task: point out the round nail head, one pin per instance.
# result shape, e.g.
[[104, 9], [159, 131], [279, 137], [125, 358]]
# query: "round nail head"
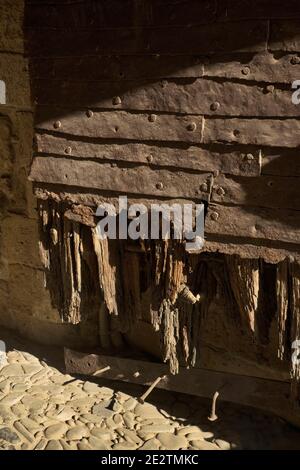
[[215, 106], [116, 101], [152, 118], [192, 127], [214, 216]]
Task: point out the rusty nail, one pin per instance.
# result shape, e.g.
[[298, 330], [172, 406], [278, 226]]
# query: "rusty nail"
[[245, 70], [152, 118], [214, 216], [150, 158], [68, 150], [215, 106], [57, 125], [89, 113], [100, 371], [159, 186], [116, 101], [192, 127], [213, 416], [204, 187], [220, 191], [149, 390], [295, 60]]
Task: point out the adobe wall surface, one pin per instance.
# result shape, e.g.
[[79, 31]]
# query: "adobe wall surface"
[[25, 304]]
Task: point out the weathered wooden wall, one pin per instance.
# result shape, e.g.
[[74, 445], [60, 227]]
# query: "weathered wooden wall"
[[183, 101], [130, 94]]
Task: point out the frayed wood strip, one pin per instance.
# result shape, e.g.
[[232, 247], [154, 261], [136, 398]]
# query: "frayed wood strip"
[[245, 284], [282, 293], [131, 286], [77, 254], [107, 272], [170, 335], [71, 309], [295, 328]]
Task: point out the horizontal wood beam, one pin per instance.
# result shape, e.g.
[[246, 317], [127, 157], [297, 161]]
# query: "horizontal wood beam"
[[268, 395]]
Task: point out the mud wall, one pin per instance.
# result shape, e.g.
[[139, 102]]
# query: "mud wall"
[[25, 304]]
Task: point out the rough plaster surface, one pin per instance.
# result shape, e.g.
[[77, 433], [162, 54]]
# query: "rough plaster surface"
[[25, 304]]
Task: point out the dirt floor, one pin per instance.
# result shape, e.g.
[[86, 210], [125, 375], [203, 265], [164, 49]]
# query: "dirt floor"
[[43, 408]]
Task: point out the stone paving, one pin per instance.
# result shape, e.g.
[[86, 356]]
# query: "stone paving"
[[42, 408]]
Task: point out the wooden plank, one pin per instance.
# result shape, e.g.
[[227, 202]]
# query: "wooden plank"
[[121, 125], [116, 67], [91, 14], [267, 132], [245, 9], [183, 12], [200, 96], [283, 162], [275, 191], [223, 37], [95, 14], [284, 36], [248, 224], [141, 179], [231, 160], [262, 67], [230, 246], [269, 395], [91, 198]]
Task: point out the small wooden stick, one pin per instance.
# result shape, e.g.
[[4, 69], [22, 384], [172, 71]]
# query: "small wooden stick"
[[100, 371], [142, 399], [213, 416]]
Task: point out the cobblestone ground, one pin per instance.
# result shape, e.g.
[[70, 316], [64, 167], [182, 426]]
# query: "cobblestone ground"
[[42, 408]]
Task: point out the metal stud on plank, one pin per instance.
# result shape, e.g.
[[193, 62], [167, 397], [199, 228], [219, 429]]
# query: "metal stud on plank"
[[220, 191], [192, 126], [214, 216], [215, 106], [116, 101], [152, 118]]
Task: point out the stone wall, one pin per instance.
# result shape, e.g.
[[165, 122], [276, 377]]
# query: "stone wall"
[[25, 304]]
